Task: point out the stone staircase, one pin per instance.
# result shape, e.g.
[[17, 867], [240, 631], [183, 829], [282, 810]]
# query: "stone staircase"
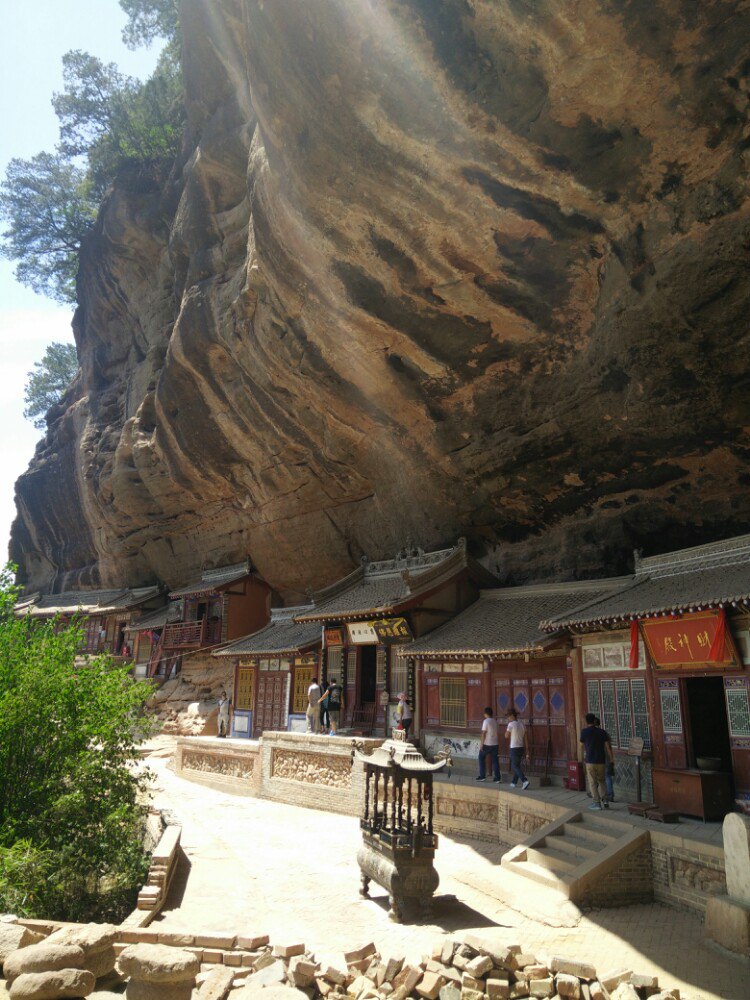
[[575, 851]]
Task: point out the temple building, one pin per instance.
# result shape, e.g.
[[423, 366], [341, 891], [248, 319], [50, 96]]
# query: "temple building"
[[105, 615], [223, 604], [370, 616], [273, 668], [665, 659], [495, 654]]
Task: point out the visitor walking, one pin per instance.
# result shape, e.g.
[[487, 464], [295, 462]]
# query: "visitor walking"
[[515, 733], [335, 704], [597, 750], [404, 713], [222, 723], [324, 719], [489, 746], [314, 698]]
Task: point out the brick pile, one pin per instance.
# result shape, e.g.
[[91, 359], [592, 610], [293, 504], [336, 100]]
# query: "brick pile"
[[227, 967], [471, 970]]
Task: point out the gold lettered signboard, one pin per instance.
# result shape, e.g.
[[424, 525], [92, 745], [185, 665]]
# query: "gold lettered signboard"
[[389, 630]]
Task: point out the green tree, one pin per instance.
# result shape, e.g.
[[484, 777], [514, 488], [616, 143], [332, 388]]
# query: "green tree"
[[72, 808], [115, 120], [50, 206], [149, 20], [49, 380]]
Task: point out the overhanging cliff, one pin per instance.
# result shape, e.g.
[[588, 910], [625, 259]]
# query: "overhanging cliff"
[[427, 268]]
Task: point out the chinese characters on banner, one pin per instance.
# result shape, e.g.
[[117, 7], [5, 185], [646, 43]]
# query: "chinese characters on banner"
[[386, 630], [685, 641]]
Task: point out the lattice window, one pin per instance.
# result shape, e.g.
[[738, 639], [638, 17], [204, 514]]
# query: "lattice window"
[[453, 701], [380, 662], [608, 714], [302, 679], [670, 710], [640, 711], [245, 688], [624, 718], [595, 701], [399, 675], [351, 663], [335, 664], [738, 710]]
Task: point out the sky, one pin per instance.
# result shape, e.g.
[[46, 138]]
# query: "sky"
[[34, 38]]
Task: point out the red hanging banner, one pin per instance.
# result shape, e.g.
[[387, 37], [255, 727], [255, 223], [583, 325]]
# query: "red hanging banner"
[[633, 645], [692, 640]]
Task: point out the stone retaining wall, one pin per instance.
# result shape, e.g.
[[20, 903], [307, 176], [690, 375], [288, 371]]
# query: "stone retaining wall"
[[686, 873]]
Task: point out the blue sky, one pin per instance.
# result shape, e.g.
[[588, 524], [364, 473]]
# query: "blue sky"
[[34, 38]]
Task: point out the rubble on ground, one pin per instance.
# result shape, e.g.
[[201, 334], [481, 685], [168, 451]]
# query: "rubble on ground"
[[226, 967]]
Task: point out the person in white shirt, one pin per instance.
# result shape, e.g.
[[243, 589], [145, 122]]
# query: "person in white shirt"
[[515, 733], [223, 719], [314, 697], [404, 713], [489, 746]]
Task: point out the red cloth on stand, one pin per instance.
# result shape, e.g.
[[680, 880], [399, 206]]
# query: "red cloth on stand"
[[633, 645]]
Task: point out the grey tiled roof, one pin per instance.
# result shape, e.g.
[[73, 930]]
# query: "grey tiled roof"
[[281, 635], [212, 579], [507, 620], [152, 619], [381, 587], [700, 577], [88, 601]]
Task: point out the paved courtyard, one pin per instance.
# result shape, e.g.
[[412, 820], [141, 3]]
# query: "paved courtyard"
[[254, 865]]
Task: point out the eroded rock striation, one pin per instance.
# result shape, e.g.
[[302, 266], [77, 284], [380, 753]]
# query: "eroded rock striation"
[[425, 269]]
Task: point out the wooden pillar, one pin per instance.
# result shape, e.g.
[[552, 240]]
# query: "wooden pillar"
[[579, 699]]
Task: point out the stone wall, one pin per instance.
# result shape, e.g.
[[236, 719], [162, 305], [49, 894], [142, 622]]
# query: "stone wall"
[[316, 772], [228, 765], [631, 881], [686, 873]]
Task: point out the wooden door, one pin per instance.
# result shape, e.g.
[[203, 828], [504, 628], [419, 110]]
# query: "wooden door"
[[271, 705], [548, 731]]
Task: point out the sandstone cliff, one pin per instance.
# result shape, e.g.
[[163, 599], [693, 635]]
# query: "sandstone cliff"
[[426, 268]]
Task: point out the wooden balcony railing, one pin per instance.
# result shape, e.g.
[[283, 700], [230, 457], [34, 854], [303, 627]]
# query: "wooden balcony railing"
[[182, 635]]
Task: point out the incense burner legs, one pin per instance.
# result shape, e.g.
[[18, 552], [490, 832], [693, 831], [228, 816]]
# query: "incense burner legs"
[[410, 880]]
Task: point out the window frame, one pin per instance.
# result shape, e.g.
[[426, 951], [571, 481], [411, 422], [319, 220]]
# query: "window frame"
[[458, 701]]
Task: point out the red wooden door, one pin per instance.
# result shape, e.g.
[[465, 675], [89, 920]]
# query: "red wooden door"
[[548, 733], [271, 704]]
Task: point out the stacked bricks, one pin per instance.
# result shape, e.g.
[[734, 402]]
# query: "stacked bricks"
[[168, 965]]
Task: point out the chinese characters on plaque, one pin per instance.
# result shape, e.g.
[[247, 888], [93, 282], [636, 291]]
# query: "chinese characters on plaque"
[[685, 640]]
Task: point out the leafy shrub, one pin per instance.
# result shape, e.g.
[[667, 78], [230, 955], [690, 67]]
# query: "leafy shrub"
[[72, 809]]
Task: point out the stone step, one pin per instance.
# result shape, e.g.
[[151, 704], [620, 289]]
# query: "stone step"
[[538, 873], [603, 822], [576, 846], [548, 857], [590, 834]]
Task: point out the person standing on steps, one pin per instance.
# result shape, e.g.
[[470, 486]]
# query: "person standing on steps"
[[314, 698], [515, 733], [404, 713], [335, 701], [489, 746], [223, 719], [597, 750], [324, 720]]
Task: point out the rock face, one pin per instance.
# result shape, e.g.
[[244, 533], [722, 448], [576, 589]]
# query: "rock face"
[[424, 269]]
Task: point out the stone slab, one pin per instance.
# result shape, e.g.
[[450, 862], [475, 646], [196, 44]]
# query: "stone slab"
[[728, 924], [736, 833]]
